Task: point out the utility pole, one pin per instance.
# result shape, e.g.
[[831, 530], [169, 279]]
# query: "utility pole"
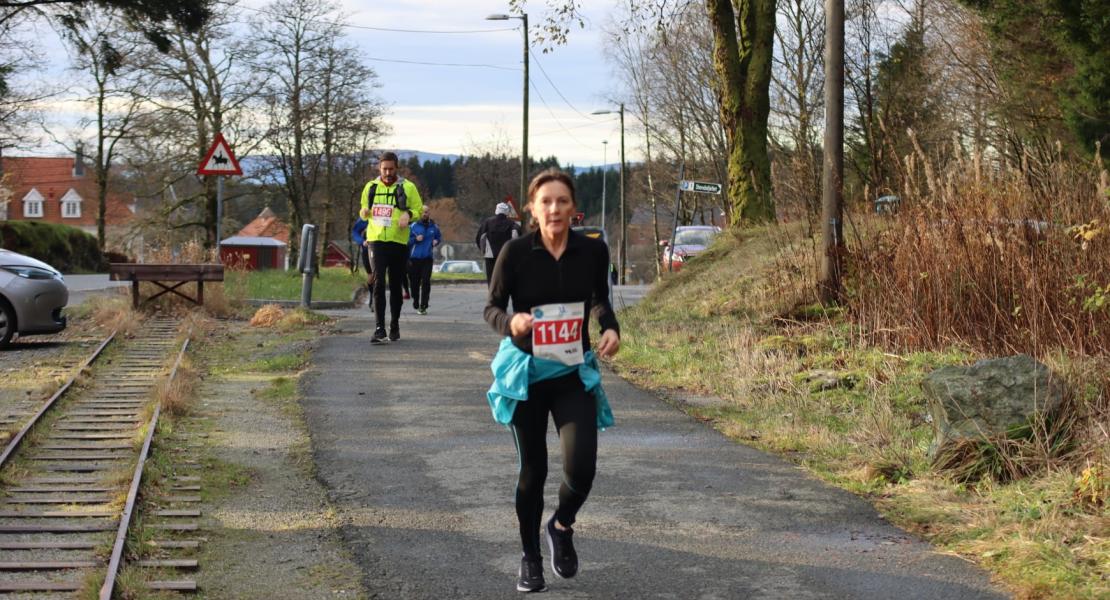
[[604, 176], [524, 146], [624, 222], [832, 175]]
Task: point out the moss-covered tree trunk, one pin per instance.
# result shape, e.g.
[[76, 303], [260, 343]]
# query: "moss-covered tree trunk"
[[743, 33]]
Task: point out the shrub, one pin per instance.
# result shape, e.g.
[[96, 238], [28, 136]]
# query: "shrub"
[[65, 248]]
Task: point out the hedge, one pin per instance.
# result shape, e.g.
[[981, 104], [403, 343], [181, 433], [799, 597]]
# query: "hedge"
[[65, 248]]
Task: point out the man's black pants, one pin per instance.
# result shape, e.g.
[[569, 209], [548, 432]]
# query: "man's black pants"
[[420, 274], [489, 268], [389, 260]]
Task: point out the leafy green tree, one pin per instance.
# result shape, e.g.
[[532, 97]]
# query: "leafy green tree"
[[1054, 58], [152, 17]]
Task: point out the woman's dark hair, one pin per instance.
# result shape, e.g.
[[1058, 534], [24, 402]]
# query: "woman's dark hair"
[[548, 175]]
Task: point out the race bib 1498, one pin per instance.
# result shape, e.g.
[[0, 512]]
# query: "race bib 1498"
[[557, 332]]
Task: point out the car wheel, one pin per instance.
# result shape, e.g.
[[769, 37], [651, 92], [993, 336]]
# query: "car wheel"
[[7, 323]]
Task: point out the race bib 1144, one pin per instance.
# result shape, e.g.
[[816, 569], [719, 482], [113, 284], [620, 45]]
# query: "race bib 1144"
[[557, 332]]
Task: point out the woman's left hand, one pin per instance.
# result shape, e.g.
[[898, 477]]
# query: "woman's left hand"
[[609, 344]]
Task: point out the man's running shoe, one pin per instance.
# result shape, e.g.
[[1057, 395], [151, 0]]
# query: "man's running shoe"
[[407, 296], [421, 311], [530, 578], [379, 336], [394, 332], [564, 560]]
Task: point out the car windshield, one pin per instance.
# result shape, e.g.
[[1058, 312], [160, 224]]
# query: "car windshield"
[[693, 237]]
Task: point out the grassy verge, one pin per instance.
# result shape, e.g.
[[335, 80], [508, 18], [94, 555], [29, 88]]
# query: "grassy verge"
[[811, 386], [333, 284]]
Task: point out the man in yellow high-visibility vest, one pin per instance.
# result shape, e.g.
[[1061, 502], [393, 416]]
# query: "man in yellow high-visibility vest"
[[389, 204]]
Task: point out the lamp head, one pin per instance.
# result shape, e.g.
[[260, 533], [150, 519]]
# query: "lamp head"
[[498, 18]]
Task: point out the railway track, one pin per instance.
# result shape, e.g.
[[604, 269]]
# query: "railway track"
[[69, 479]]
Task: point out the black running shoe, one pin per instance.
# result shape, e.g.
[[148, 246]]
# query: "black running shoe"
[[394, 332], [564, 560], [379, 336], [530, 578]]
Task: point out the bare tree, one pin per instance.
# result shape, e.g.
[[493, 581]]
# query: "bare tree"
[[743, 45], [199, 90], [797, 103], [18, 95], [103, 44], [292, 37], [487, 173]]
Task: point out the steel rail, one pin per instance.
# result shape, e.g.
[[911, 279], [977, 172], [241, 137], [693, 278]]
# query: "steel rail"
[[108, 588], [10, 449]]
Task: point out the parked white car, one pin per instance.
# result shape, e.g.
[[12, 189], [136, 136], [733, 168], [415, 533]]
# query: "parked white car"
[[32, 296], [458, 266]]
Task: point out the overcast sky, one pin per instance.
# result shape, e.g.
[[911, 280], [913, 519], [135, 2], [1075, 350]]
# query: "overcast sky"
[[453, 109], [438, 103]]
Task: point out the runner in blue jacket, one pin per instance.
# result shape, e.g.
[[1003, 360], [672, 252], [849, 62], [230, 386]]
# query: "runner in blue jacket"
[[424, 236], [358, 236]]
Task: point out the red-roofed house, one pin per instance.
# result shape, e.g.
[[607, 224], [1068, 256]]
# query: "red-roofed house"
[[260, 244], [266, 224], [60, 190]]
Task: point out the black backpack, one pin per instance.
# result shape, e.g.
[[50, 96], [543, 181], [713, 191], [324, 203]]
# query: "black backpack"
[[399, 191]]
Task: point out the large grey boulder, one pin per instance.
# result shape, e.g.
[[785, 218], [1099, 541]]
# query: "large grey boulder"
[[988, 398]]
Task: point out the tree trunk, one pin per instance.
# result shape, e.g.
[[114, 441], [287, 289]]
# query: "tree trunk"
[[743, 66]]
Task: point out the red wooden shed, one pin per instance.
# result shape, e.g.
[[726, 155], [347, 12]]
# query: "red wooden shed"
[[253, 253]]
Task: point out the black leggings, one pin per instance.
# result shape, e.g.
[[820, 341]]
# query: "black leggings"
[[390, 261], [575, 416], [420, 275]]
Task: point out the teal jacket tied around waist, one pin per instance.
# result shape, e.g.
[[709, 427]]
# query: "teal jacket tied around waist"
[[514, 369]]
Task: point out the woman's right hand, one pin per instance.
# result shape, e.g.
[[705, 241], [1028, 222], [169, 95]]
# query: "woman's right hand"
[[520, 324]]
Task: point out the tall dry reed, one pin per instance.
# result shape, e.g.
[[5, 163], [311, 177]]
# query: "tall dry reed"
[[1003, 261]]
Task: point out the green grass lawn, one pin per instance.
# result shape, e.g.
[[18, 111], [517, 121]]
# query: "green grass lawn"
[[333, 284]]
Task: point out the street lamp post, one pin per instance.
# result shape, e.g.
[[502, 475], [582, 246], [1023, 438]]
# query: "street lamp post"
[[623, 251], [524, 144], [604, 177]]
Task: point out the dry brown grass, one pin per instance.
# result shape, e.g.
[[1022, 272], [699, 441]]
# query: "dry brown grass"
[[177, 395], [268, 316], [222, 299], [115, 313], [1001, 263]]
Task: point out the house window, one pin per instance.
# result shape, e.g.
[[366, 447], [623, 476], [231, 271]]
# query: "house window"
[[32, 204], [71, 205]]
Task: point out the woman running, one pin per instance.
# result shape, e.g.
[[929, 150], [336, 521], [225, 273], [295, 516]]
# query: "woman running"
[[555, 278]]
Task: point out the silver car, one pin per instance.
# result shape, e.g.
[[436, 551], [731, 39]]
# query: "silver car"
[[32, 296]]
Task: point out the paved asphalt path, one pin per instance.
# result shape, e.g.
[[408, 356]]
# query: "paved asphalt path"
[[424, 478], [82, 286]]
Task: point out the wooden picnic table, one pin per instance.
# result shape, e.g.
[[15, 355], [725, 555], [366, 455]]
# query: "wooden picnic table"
[[161, 275]]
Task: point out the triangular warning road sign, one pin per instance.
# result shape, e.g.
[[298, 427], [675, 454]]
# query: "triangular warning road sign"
[[219, 160]]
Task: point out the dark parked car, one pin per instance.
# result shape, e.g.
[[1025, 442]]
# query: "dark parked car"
[[32, 296], [689, 241]]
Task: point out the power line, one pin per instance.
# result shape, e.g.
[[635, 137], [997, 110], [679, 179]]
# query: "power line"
[[557, 121], [367, 27], [435, 64], [552, 83]]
